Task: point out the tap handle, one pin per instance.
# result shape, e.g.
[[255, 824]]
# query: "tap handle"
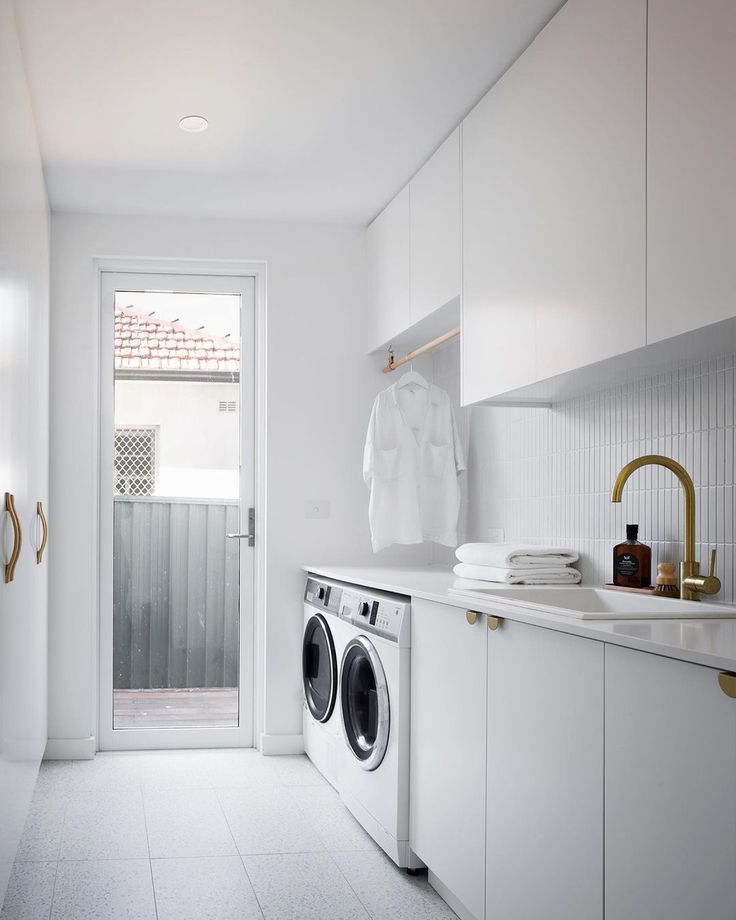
[[712, 571]]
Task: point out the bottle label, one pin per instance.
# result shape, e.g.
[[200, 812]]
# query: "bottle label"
[[627, 565]]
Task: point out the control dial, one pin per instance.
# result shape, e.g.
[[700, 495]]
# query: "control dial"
[[364, 609]]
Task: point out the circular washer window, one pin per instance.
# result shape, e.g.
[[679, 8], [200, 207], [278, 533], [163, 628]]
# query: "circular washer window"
[[365, 704], [319, 668]]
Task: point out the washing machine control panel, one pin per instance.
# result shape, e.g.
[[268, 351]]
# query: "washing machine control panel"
[[377, 614]]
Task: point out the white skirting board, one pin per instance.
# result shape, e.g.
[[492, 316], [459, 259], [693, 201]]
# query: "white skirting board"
[[71, 748], [281, 744]]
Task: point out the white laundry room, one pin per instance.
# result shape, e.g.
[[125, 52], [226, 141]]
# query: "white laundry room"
[[367, 444]]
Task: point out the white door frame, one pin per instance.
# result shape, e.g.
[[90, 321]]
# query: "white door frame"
[[212, 276]]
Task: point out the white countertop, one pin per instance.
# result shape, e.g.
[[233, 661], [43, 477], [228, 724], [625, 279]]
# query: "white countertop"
[[707, 642]]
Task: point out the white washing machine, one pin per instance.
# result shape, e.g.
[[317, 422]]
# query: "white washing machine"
[[374, 708], [324, 639]]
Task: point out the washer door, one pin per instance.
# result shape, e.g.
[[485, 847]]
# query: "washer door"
[[319, 668], [365, 704]]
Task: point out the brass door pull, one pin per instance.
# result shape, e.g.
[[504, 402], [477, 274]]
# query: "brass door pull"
[[17, 538], [494, 622], [471, 616], [44, 533], [727, 683]]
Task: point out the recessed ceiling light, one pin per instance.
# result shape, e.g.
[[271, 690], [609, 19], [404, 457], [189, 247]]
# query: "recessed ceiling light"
[[193, 123]]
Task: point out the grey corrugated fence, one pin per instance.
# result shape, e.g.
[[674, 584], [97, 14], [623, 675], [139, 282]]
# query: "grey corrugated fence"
[[175, 597]]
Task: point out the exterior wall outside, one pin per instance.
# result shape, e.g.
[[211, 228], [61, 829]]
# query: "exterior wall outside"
[[545, 475], [198, 445]]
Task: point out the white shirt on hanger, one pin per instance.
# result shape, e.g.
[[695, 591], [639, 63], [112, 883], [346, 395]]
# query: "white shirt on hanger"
[[411, 460]]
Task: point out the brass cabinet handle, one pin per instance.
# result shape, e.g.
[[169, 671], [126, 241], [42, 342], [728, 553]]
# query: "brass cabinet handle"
[[471, 616], [494, 622], [44, 533], [17, 538], [727, 683]]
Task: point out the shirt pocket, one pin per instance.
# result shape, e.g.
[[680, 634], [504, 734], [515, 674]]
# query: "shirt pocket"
[[435, 459], [387, 463]]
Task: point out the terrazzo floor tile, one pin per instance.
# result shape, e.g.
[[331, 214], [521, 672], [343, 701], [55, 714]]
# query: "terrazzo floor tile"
[[212, 888], [242, 768], [336, 827], [104, 890], [268, 821], [305, 886], [167, 770], [30, 891], [105, 826], [55, 780], [298, 770], [41, 838], [187, 823], [389, 893], [113, 772]]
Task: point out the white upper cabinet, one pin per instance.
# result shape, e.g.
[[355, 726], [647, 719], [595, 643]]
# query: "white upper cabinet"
[[389, 265], [691, 122], [435, 230], [553, 203], [670, 813]]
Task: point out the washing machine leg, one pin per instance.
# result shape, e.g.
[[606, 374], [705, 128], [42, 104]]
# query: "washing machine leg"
[[413, 871]]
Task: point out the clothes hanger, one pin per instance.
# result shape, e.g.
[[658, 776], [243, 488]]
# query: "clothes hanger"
[[411, 376]]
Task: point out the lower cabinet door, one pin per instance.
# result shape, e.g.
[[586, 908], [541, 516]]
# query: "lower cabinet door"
[[448, 751], [670, 790], [545, 775]]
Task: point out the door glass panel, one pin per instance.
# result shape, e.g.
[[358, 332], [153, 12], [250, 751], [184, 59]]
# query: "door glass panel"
[[362, 702], [176, 496]]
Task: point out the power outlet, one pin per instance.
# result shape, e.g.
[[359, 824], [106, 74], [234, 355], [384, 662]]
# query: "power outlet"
[[317, 509], [496, 534]]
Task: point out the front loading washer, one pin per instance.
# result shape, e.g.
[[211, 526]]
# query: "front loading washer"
[[323, 643], [374, 703]]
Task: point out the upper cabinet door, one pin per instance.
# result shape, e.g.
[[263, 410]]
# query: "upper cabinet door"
[[389, 254], [691, 186], [435, 230], [554, 203]]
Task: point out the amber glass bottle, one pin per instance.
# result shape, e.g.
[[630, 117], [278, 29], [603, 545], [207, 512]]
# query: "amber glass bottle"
[[632, 561]]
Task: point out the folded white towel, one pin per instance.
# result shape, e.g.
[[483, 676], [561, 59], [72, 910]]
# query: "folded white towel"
[[518, 575], [514, 554]]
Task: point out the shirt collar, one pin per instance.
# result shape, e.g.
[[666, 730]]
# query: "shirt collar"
[[434, 394]]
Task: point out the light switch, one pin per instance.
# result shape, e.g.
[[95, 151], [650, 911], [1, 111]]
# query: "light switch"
[[317, 509]]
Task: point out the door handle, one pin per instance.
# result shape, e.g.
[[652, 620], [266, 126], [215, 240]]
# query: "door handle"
[[251, 535], [44, 533], [17, 537]]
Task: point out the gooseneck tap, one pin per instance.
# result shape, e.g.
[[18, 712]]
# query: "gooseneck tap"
[[692, 583]]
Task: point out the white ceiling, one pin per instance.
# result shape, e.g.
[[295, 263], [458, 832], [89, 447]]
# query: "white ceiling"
[[318, 109]]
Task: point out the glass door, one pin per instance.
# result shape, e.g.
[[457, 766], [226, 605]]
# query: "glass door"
[[177, 527]]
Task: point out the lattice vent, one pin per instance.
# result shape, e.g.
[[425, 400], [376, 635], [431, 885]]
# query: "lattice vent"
[[228, 405], [135, 460]]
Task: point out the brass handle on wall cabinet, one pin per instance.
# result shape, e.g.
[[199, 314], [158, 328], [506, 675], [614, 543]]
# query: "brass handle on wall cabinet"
[[44, 533], [17, 538], [494, 622], [471, 616], [727, 683]]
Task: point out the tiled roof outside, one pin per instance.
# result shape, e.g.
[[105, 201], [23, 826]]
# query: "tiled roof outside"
[[144, 342]]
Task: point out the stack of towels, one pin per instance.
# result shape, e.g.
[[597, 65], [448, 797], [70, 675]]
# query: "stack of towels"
[[514, 564]]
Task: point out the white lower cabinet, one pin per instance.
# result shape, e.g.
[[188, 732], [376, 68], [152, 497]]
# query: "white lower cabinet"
[[448, 751], [670, 819], [544, 854]]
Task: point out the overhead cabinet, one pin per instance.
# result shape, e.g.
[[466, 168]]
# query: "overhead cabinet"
[[691, 189], [414, 251], [553, 177]]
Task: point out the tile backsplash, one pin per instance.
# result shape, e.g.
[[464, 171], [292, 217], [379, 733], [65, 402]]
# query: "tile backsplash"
[[545, 475]]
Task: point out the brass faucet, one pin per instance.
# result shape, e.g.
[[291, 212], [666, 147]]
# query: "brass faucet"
[[692, 583]]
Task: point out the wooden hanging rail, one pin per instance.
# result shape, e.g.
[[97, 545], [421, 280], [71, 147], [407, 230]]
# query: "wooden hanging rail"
[[393, 362]]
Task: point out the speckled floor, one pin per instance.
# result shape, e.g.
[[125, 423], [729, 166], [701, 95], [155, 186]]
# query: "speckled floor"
[[202, 835]]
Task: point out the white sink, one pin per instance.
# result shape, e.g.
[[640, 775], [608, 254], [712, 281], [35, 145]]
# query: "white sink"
[[597, 603]]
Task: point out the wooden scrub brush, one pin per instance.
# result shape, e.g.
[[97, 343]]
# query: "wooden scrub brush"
[[667, 580]]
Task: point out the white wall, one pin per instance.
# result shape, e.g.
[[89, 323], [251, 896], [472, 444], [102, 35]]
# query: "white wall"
[[23, 439], [320, 390], [198, 446], [545, 475]]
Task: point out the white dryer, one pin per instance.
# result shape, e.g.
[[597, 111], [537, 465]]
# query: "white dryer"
[[374, 710], [324, 639]]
